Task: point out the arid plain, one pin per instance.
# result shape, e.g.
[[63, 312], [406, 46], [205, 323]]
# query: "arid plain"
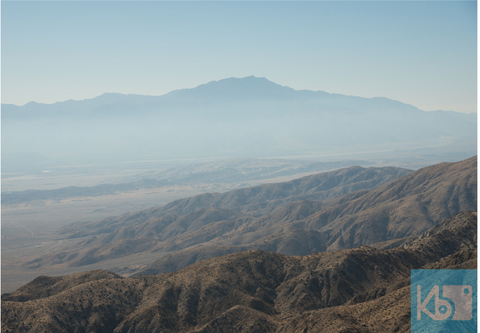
[[29, 228]]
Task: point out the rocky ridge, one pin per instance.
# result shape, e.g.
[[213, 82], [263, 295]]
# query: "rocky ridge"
[[356, 290]]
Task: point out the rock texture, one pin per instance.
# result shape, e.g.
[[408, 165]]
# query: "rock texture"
[[355, 290], [363, 206], [204, 218]]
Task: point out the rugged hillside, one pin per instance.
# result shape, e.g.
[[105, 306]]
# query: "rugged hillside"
[[401, 208], [355, 290], [197, 220], [261, 200], [258, 200], [405, 207], [44, 286]]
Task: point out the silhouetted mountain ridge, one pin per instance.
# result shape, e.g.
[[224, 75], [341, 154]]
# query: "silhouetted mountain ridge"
[[236, 117]]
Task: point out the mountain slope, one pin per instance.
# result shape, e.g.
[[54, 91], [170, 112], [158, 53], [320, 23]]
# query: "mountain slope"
[[253, 291], [256, 200], [203, 218], [405, 207], [402, 208]]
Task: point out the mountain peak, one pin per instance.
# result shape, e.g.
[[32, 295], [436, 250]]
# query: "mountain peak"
[[238, 88], [250, 81]]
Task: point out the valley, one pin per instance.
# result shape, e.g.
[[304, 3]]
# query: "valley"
[[321, 212], [29, 227]]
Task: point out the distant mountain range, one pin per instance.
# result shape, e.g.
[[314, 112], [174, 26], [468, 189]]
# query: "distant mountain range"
[[241, 118], [357, 290]]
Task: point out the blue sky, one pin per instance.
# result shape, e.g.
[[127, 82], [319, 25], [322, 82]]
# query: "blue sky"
[[420, 53]]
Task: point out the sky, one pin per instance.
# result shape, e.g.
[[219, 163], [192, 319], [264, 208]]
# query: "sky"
[[420, 53]]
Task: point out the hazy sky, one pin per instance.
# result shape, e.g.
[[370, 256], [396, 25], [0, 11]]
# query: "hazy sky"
[[420, 53]]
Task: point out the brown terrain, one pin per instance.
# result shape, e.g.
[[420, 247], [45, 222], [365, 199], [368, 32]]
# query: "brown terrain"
[[365, 289], [336, 210], [62, 197], [199, 219], [324, 253]]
